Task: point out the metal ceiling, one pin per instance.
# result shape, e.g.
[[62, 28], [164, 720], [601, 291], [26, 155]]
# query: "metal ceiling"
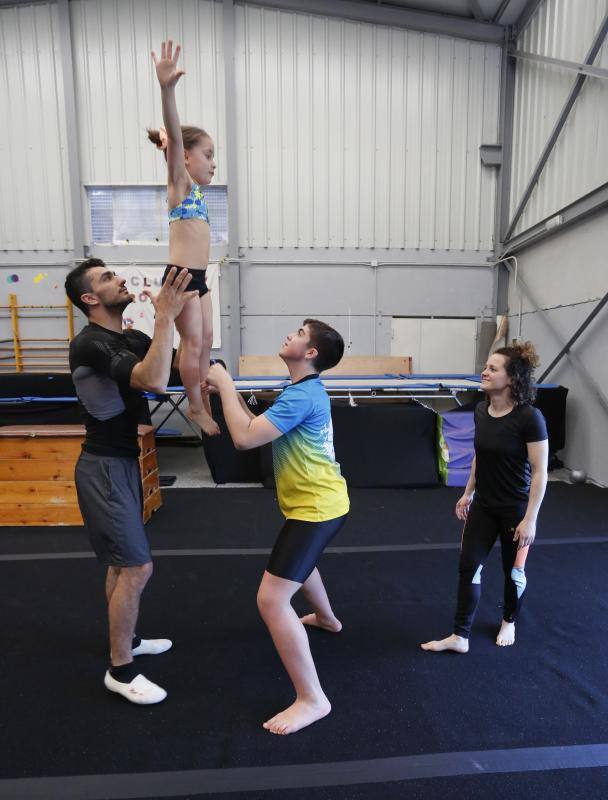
[[498, 12]]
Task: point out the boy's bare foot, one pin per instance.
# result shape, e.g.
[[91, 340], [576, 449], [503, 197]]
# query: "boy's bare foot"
[[456, 643], [333, 625], [206, 423], [506, 634], [299, 715]]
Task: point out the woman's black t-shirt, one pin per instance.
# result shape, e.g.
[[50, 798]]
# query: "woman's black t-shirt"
[[502, 473]]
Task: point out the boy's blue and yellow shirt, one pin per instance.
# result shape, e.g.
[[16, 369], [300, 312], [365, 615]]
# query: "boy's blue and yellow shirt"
[[310, 486]]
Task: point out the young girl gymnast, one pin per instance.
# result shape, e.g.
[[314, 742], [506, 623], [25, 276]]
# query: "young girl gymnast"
[[189, 153]]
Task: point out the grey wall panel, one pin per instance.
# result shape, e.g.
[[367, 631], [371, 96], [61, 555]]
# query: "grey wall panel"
[[304, 290], [382, 332], [265, 335], [225, 289], [424, 291], [587, 423], [590, 348], [223, 352], [567, 275], [567, 268], [401, 291], [275, 300]]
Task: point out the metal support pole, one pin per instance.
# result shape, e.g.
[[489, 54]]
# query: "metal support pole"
[[507, 103], [235, 316], [575, 360], [232, 181], [12, 300], [71, 124], [566, 348]]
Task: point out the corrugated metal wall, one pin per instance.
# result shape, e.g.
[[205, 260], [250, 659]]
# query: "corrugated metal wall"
[[349, 135], [117, 94], [357, 135], [579, 162], [567, 277], [35, 199]]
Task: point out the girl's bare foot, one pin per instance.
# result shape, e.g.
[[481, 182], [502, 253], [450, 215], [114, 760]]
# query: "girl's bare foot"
[[207, 405], [205, 422], [506, 634], [333, 625], [456, 643], [299, 715]]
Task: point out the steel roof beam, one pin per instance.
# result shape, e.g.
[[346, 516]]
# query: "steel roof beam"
[[582, 69], [525, 17], [476, 10], [501, 10], [585, 206], [440, 24]]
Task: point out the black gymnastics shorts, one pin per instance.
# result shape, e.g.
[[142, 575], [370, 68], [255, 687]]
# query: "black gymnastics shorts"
[[198, 279], [111, 503], [299, 546]]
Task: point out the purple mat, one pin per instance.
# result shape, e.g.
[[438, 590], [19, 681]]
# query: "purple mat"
[[455, 443]]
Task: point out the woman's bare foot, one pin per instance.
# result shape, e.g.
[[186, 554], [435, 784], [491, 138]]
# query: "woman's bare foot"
[[506, 634], [333, 625], [206, 423], [456, 643], [298, 716]]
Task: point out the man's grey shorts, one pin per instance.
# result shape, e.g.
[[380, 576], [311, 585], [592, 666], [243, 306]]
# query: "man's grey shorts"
[[111, 503]]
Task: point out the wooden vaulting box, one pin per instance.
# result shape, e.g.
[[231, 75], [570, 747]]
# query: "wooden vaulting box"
[[37, 474]]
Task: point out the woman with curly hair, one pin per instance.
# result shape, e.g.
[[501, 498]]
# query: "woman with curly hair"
[[504, 492]]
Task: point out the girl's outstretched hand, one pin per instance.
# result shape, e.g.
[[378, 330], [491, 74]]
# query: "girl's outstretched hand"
[[166, 66]]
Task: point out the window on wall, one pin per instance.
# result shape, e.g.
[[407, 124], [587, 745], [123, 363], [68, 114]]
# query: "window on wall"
[[138, 214]]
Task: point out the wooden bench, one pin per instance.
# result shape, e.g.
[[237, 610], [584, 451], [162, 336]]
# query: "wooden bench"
[[349, 365], [37, 474]]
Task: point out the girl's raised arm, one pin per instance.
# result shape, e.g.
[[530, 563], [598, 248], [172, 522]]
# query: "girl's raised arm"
[[168, 75]]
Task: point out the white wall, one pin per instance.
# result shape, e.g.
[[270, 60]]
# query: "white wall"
[[561, 29], [358, 135], [567, 274], [35, 199], [436, 345], [117, 94], [349, 135]]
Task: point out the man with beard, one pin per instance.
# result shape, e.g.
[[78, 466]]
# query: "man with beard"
[[111, 368]]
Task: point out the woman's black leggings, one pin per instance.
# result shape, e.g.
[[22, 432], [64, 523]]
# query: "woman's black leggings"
[[481, 530]]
